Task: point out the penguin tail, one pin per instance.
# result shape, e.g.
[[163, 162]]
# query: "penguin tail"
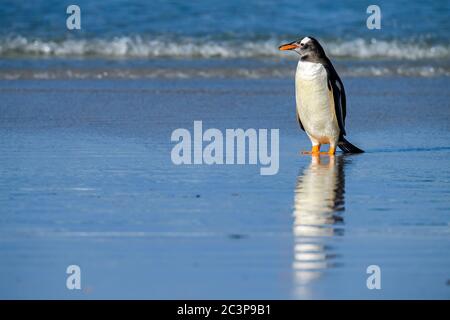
[[347, 147]]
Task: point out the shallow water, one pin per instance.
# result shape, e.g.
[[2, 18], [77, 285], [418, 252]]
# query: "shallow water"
[[86, 179]]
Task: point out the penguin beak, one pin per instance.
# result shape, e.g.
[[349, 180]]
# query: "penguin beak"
[[288, 46]]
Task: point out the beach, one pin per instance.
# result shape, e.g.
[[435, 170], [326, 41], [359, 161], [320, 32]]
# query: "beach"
[[87, 179], [104, 104]]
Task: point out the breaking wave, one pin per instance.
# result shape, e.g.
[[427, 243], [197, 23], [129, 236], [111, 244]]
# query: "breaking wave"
[[250, 73], [140, 47]]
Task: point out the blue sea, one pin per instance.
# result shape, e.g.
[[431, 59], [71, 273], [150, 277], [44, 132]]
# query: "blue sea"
[[183, 39], [86, 176]]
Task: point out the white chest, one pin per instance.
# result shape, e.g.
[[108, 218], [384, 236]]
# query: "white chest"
[[315, 104], [310, 70]]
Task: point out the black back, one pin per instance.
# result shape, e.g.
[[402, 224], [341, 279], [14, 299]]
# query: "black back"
[[313, 52]]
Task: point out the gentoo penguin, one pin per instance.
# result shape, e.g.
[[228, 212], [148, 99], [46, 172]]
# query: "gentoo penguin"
[[320, 98]]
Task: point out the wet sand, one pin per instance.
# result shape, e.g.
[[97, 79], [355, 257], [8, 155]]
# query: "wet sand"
[[87, 179]]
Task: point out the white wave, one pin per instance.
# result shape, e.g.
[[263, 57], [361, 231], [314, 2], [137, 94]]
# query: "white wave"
[[230, 72], [203, 48], [373, 48]]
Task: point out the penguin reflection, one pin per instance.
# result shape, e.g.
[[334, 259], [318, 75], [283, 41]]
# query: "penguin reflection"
[[318, 204]]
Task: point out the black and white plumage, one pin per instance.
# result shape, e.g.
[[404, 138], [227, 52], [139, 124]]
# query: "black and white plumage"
[[320, 97]]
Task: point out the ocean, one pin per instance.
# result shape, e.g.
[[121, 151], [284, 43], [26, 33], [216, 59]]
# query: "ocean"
[[179, 39], [86, 176]]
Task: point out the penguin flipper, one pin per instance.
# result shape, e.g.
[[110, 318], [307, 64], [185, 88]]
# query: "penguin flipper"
[[336, 86]]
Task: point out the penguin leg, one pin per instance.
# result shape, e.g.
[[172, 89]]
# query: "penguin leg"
[[315, 150], [332, 150]]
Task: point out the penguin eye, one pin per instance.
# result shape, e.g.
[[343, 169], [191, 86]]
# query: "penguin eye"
[[302, 44]]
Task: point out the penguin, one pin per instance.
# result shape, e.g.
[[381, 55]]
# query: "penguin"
[[320, 98]]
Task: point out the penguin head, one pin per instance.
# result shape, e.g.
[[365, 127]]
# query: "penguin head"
[[308, 48]]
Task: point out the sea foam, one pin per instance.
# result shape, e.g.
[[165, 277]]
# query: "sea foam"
[[140, 47]]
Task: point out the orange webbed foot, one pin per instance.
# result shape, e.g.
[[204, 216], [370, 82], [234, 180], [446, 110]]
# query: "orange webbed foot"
[[314, 151]]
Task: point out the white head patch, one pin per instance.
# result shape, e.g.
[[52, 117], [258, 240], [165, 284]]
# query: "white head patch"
[[305, 40]]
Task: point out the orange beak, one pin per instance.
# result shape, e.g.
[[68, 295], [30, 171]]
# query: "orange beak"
[[287, 46]]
